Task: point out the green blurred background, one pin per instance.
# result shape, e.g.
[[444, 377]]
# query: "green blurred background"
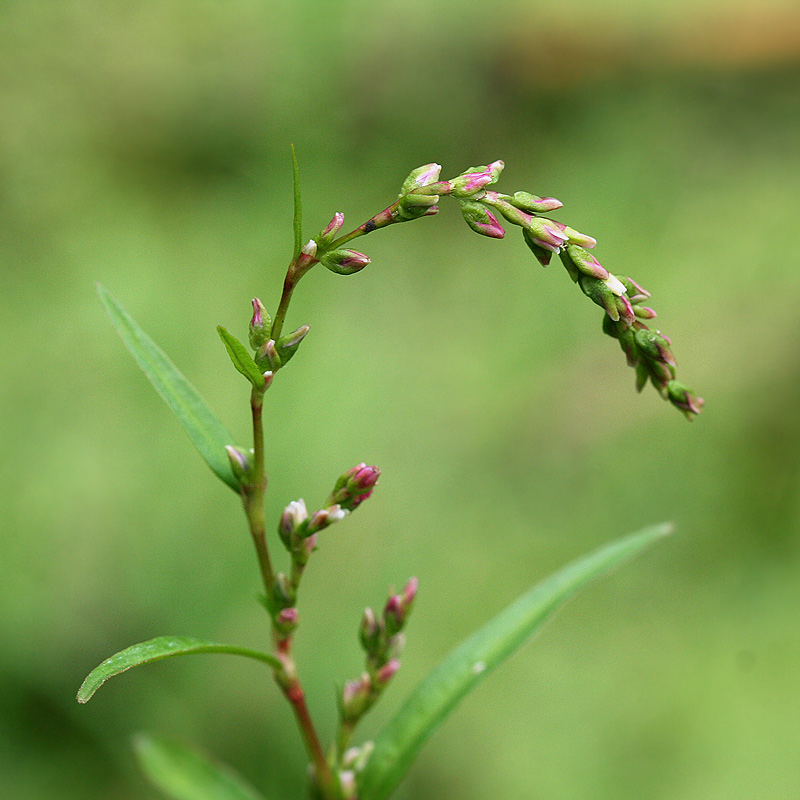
[[145, 145]]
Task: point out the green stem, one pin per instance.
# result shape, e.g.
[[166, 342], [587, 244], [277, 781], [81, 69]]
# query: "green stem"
[[254, 494], [292, 689], [380, 220], [286, 296]]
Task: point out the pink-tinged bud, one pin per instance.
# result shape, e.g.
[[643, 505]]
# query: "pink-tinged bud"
[[481, 220], [356, 698], [617, 307], [575, 237], [241, 463], [287, 345], [328, 233], [475, 178], [370, 631], [584, 262], [347, 783], [387, 672], [320, 520], [655, 345], [543, 256], [268, 376], [410, 591], [683, 398], [354, 486], [260, 325], [644, 312], [546, 233], [355, 758], [345, 262], [421, 176], [635, 292], [535, 204], [398, 607], [414, 206], [267, 355], [289, 616], [431, 211], [294, 515]]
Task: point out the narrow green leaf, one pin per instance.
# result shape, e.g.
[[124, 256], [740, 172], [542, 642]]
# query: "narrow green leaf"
[[184, 773], [207, 433], [241, 359], [437, 695], [157, 649], [298, 206]]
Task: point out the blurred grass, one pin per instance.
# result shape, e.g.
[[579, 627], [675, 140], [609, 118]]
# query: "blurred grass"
[[146, 146]]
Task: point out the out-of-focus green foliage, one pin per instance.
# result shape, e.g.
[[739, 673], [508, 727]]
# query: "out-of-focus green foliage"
[[146, 146]]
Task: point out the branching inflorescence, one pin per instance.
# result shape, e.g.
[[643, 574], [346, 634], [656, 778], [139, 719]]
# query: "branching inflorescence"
[[372, 771]]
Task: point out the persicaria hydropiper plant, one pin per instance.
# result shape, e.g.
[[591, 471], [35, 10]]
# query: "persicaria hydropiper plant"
[[373, 769]]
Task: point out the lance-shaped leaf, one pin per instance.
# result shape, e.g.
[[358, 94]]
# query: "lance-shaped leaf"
[[398, 743], [241, 359], [205, 430], [184, 773], [156, 650]]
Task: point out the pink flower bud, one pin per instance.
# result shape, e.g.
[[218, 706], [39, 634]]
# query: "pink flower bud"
[[481, 220], [546, 233], [288, 616], [355, 486], [475, 178], [356, 698], [575, 237], [241, 463], [387, 672], [535, 204], [345, 262], [644, 312], [683, 398], [260, 325], [328, 233], [294, 515]]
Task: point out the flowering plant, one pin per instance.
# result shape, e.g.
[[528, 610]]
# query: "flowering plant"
[[373, 769]]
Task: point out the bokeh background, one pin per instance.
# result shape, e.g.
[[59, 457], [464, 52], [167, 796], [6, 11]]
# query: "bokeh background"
[[146, 145]]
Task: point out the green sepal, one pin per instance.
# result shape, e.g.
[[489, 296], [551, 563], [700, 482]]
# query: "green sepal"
[[207, 433], [241, 358], [157, 649], [185, 773], [429, 704]]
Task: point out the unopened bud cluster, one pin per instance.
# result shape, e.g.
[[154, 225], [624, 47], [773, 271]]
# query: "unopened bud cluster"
[[483, 210], [383, 641]]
